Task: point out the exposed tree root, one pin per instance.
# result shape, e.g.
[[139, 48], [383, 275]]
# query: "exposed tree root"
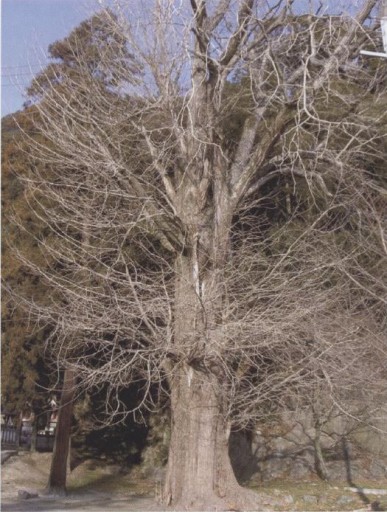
[[54, 491], [241, 499]]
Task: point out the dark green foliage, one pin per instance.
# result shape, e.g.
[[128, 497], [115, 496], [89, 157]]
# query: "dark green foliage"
[[91, 50], [79, 65], [24, 373]]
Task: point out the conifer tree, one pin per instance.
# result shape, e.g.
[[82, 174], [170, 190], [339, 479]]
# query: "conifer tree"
[[25, 374], [87, 57]]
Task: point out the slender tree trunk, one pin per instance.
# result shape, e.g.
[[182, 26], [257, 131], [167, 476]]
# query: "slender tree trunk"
[[58, 472], [319, 461]]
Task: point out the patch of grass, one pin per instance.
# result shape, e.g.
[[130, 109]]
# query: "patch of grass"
[[101, 478], [322, 496]]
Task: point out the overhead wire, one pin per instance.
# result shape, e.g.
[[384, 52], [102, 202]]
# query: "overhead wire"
[[11, 71], [8, 73]]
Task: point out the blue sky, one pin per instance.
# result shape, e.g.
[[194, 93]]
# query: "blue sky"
[[27, 28]]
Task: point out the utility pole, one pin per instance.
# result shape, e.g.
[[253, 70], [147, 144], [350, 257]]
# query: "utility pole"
[[383, 26], [383, 23]]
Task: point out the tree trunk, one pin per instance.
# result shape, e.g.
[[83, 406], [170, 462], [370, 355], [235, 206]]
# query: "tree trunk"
[[58, 472], [199, 475], [319, 461]]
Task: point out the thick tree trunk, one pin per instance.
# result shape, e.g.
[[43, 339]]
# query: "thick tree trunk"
[[199, 475], [58, 472]]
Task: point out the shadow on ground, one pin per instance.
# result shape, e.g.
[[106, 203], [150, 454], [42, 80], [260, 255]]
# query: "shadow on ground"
[[83, 502], [371, 505]]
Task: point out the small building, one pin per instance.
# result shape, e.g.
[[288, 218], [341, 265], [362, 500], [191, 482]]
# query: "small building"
[[19, 430]]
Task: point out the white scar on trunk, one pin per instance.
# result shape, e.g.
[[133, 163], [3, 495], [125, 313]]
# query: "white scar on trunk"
[[189, 376], [196, 264]]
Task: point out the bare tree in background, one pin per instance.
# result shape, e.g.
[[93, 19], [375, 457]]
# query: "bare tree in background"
[[232, 216]]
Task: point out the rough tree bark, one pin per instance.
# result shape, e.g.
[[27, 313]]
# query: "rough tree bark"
[[58, 471], [224, 312], [319, 460], [199, 473]]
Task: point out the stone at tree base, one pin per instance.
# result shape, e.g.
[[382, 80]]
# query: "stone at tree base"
[[285, 499], [344, 500], [27, 495], [310, 499], [58, 492]]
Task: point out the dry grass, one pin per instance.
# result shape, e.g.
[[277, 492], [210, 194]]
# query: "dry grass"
[[93, 475], [31, 470], [322, 496]]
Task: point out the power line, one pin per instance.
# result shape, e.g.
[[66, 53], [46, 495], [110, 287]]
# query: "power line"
[[23, 66], [10, 75], [15, 85]]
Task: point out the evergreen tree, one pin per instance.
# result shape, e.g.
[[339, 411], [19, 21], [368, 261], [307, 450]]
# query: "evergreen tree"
[[25, 374], [91, 56]]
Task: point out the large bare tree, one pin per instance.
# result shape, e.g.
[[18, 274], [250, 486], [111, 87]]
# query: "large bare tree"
[[232, 200]]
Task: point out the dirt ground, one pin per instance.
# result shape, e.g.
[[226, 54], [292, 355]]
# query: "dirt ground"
[[100, 487], [91, 487]]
